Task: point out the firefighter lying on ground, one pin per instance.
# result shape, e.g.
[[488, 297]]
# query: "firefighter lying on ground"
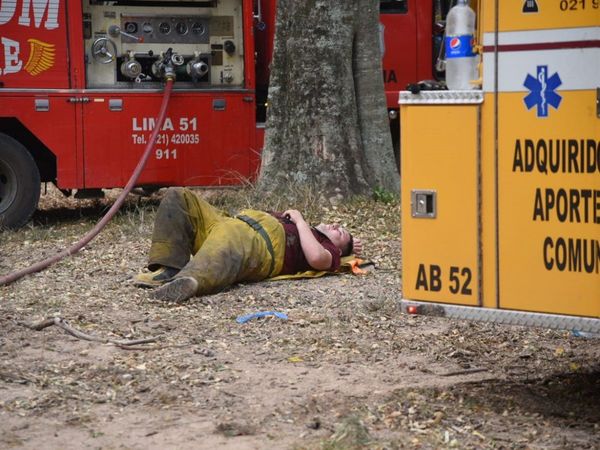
[[251, 246]]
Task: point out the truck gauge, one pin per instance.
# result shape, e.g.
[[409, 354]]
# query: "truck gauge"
[[131, 27], [164, 28], [181, 28], [198, 28]]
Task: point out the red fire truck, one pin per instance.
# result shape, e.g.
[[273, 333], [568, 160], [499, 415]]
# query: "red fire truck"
[[81, 82]]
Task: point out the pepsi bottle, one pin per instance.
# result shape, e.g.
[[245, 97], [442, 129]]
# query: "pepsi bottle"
[[461, 62]]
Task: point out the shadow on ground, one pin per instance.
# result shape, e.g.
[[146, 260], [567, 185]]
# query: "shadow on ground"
[[89, 210]]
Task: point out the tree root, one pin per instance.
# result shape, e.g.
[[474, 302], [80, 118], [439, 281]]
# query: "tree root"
[[62, 323]]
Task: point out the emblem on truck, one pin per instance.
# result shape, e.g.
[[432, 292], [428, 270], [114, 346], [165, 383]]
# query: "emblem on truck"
[[41, 57], [530, 6], [542, 91]]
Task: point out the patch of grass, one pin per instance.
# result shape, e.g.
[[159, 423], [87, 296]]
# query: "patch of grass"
[[350, 434], [96, 434], [137, 217], [384, 196]]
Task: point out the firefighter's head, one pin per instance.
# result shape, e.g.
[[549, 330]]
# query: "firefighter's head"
[[342, 238]]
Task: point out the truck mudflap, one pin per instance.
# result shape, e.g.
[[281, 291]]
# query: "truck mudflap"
[[504, 316]]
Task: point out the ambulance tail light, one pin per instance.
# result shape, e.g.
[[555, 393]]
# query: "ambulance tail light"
[[414, 308]]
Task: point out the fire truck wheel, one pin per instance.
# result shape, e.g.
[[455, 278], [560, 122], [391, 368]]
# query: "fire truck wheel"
[[19, 183]]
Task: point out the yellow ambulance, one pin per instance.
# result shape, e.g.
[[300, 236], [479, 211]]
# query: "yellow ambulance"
[[501, 184]]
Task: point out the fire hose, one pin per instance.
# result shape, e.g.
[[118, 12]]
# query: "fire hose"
[[39, 266]]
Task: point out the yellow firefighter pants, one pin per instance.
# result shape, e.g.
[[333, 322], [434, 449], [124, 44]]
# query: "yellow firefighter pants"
[[225, 249]]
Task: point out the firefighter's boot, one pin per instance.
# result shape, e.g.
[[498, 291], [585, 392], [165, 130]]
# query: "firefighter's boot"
[[177, 290], [155, 278]]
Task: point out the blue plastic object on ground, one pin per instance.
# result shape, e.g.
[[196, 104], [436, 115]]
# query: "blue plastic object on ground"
[[585, 334], [256, 315]]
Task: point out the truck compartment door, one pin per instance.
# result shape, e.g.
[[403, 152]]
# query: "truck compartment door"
[[440, 195]]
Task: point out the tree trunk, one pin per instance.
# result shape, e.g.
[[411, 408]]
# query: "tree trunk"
[[327, 126]]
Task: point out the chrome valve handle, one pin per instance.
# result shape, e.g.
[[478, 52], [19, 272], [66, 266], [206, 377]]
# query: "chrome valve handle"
[[101, 51]]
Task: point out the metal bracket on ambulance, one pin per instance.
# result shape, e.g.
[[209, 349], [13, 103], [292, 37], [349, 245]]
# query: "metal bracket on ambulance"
[[478, 50]]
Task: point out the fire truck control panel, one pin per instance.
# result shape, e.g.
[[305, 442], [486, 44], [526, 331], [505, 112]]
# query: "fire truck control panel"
[[126, 44]]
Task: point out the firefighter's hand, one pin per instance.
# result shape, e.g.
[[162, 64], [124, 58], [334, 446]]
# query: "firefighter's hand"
[[294, 215]]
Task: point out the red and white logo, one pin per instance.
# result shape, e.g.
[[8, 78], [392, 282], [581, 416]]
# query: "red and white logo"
[[454, 43]]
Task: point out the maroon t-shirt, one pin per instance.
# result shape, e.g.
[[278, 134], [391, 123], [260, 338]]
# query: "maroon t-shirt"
[[294, 260]]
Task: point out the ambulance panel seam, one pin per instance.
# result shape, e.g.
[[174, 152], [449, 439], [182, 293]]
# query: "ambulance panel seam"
[[474, 97], [553, 35], [542, 46]]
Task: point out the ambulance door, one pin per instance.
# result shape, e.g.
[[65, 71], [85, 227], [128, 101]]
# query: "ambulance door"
[[549, 156], [441, 260]]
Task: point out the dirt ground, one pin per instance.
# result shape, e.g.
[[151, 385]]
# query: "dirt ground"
[[345, 370]]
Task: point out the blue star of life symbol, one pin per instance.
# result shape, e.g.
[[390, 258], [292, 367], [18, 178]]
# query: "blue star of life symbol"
[[542, 91]]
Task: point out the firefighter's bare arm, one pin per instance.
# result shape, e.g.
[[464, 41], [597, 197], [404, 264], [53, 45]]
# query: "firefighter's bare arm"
[[314, 252]]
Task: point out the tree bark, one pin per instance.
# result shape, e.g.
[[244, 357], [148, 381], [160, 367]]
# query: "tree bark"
[[327, 126]]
